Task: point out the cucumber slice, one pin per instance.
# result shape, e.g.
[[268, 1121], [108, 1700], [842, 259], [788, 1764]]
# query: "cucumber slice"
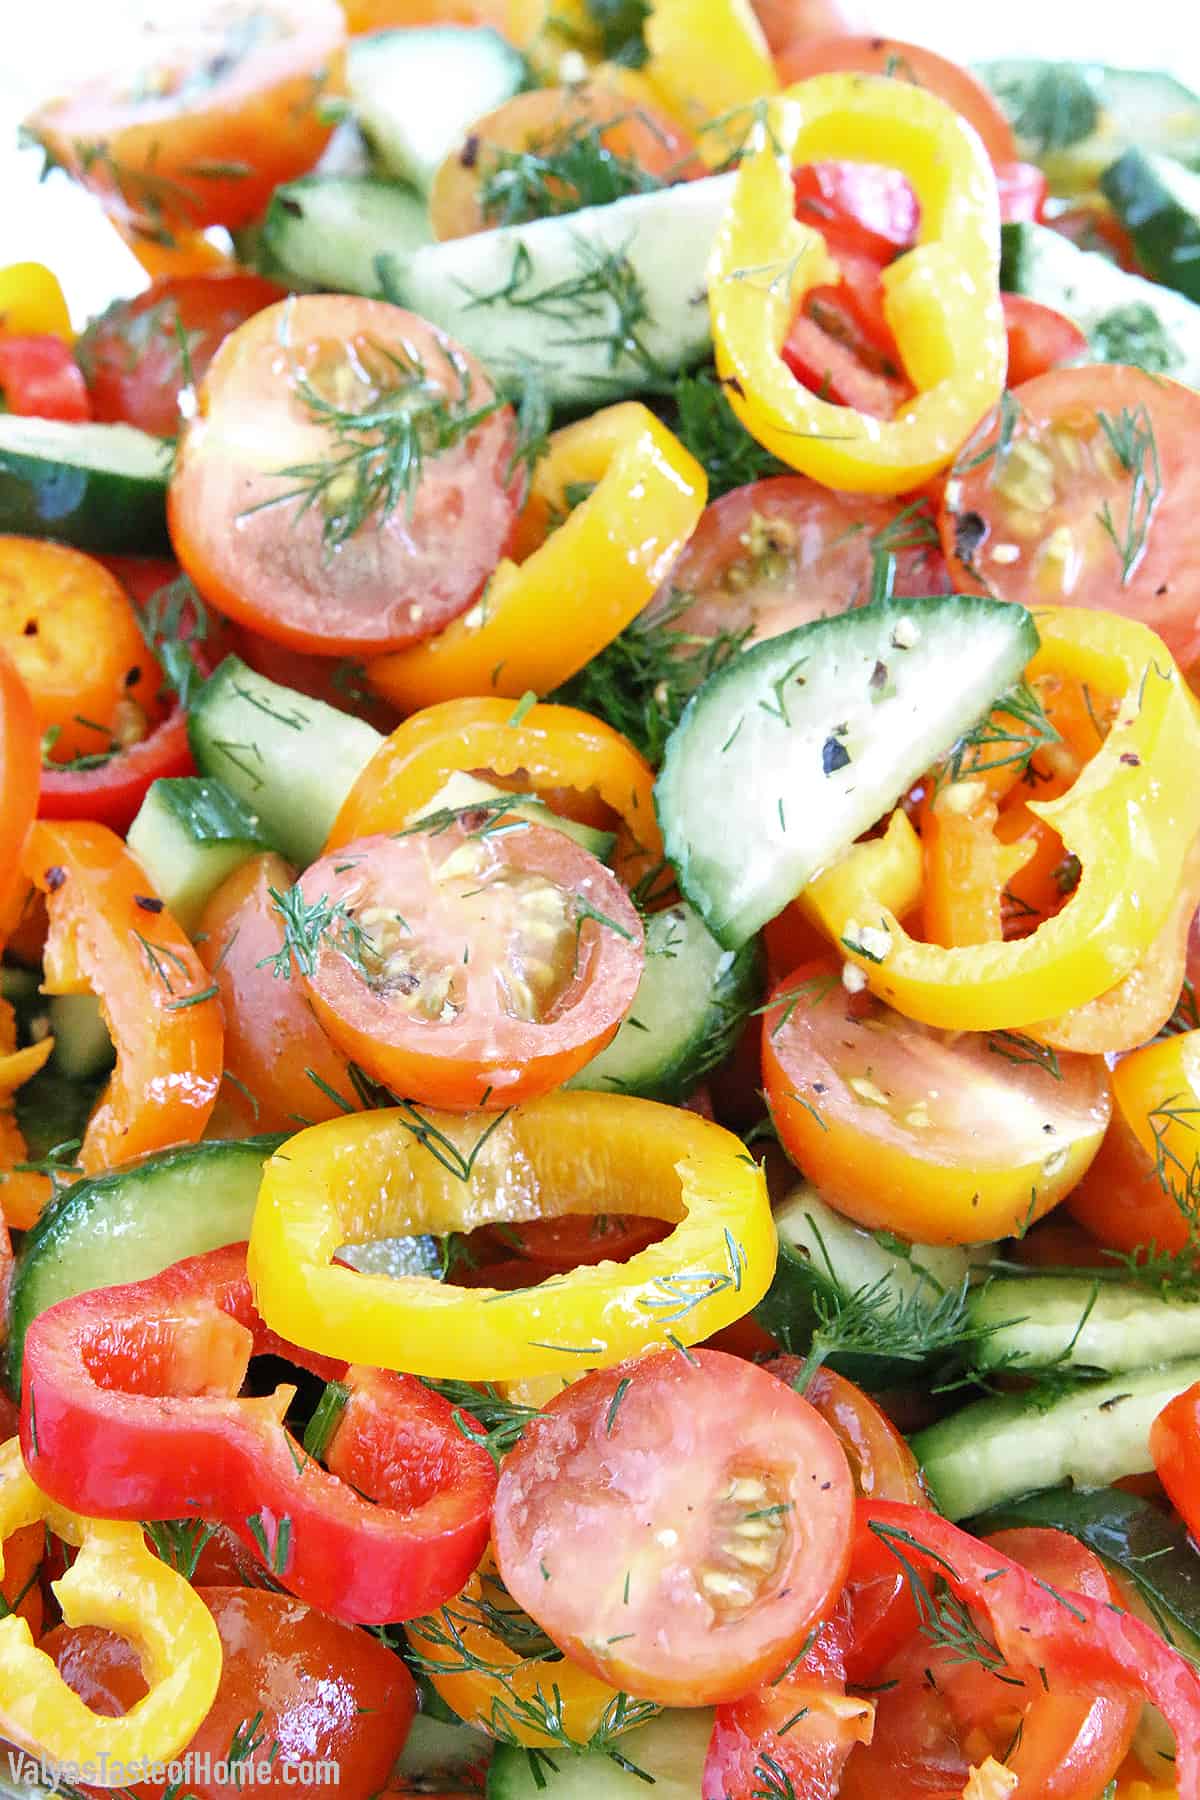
[[797, 746], [1074, 118], [1158, 202], [289, 759], [825, 1260], [327, 233], [189, 835], [416, 91], [440, 1756], [669, 1752], [691, 1002], [133, 1223], [598, 301], [1091, 1436], [1071, 1322], [99, 487], [463, 790], [82, 1046], [1125, 318]]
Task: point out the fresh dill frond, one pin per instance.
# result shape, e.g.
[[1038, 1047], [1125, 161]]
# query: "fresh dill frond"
[[943, 1618], [1131, 438], [707, 425], [484, 1416], [621, 28], [307, 925], [1014, 731], [876, 1321], [567, 170]]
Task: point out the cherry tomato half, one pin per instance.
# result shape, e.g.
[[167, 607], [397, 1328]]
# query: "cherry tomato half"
[[139, 353], [225, 109], [472, 967], [676, 1524], [348, 482], [296, 1687], [781, 552], [40, 379], [1091, 499], [1039, 339], [943, 1137]]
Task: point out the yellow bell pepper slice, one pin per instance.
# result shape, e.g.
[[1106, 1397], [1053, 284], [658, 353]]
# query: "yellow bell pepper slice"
[[539, 621], [31, 301], [1130, 818], [710, 62], [115, 1582], [402, 1172], [941, 299]]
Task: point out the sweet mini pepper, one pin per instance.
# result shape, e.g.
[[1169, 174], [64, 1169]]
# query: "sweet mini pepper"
[[1130, 818], [115, 1582], [402, 1172], [941, 299]]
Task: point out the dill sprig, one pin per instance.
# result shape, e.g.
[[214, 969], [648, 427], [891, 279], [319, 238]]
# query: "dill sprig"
[[1131, 438], [382, 442], [307, 925], [704, 421], [173, 622], [1013, 732], [570, 169], [502, 1421], [1016, 1047], [1186, 1016], [621, 28], [179, 1542], [943, 1618]]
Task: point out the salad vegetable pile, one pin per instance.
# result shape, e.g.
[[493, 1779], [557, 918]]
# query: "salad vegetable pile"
[[599, 865]]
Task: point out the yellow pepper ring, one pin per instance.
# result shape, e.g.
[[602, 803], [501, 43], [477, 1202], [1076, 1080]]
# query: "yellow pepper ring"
[[540, 621], [941, 299], [400, 1173], [1130, 818], [118, 1583]]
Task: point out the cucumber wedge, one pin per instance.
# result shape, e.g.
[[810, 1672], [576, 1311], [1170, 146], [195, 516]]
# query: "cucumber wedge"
[[416, 91], [189, 835], [1074, 1322], [795, 748], [99, 487], [1158, 202], [328, 232], [669, 1753]]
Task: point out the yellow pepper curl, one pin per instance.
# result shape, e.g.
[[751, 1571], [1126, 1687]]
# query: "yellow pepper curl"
[[118, 1583], [941, 299]]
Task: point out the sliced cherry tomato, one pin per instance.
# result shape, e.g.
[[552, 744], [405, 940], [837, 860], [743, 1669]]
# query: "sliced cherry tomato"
[[140, 353], [20, 768], [110, 934], [825, 350], [1039, 339], [40, 379], [676, 1524], [295, 511], [943, 1137], [1140, 1192], [572, 1241], [472, 967], [1022, 190], [782, 552], [784, 21], [227, 110], [71, 631], [482, 184], [297, 1688], [861, 206], [1092, 498], [794, 1734], [905, 62], [939, 1713], [280, 1068], [1094, 226]]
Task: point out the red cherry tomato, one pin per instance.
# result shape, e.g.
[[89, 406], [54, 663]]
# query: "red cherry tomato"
[[676, 1524], [1039, 339], [472, 968], [40, 379]]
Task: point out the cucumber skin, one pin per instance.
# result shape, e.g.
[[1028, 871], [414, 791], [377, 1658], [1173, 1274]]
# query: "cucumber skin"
[[91, 509], [1070, 1322], [1165, 234]]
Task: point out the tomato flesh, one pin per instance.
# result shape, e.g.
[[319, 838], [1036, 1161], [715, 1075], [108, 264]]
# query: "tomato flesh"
[[1091, 499], [474, 967], [676, 1524], [282, 512]]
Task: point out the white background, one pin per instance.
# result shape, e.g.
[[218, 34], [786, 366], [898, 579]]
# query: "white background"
[[49, 43]]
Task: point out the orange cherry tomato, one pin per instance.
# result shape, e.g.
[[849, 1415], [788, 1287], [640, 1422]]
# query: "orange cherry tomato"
[[472, 967], [110, 934], [281, 1070], [285, 522], [363, 16], [226, 109], [904, 62], [570, 1242], [69, 627], [296, 1687], [1140, 1191], [941, 1136], [480, 184], [23, 1553], [714, 1507], [20, 770]]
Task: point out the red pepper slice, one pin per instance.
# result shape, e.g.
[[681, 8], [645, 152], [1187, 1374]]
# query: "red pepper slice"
[[40, 379], [130, 1410], [111, 794], [1071, 1638]]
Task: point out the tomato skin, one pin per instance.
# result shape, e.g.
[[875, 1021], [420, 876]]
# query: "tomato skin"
[[1022, 190], [39, 378], [644, 1461], [262, 559], [318, 1689], [1059, 415], [784, 551], [857, 206], [894, 1121], [1039, 339], [904, 62], [111, 795], [131, 354], [272, 1039], [450, 1016], [572, 1241], [240, 119]]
